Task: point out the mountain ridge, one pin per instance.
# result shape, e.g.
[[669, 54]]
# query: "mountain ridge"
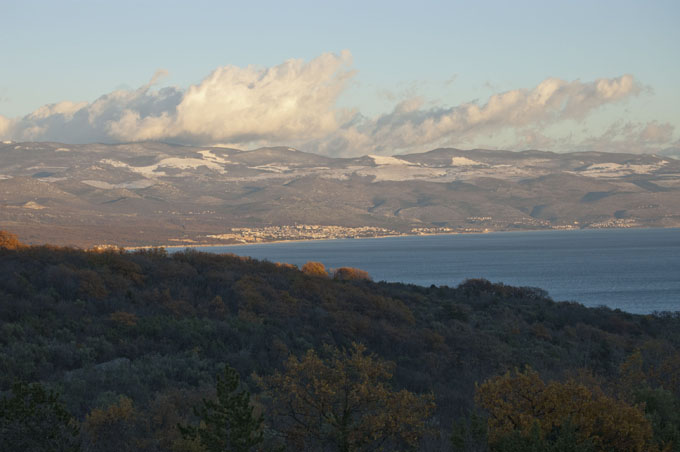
[[154, 193]]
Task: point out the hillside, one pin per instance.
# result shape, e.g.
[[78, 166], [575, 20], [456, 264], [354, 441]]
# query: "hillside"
[[159, 194], [157, 328]]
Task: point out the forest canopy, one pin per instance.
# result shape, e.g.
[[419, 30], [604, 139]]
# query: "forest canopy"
[[132, 342]]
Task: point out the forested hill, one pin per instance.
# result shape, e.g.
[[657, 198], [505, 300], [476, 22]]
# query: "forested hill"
[[157, 328]]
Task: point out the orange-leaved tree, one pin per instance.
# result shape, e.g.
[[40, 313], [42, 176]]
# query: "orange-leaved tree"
[[351, 274], [9, 240], [314, 269]]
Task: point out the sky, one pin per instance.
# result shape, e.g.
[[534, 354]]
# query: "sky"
[[344, 78]]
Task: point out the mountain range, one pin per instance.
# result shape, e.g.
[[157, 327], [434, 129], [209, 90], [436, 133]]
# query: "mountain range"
[[161, 194]]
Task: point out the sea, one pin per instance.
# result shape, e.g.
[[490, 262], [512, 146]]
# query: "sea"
[[635, 270]]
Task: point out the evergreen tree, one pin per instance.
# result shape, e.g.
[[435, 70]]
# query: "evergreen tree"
[[34, 419], [227, 424]]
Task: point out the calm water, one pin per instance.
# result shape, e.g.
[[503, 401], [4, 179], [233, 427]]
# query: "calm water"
[[636, 270]]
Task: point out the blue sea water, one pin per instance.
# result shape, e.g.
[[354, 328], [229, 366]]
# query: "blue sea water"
[[635, 270]]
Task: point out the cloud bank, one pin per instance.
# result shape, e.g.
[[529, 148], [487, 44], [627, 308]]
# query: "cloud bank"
[[294, 103], [409, 126]]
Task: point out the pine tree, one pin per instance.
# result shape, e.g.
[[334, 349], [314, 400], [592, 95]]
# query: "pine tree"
[[34, 419], [227, 424]]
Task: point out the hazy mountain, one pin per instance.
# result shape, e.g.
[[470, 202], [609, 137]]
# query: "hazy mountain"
[[673, 152], [155, 193]]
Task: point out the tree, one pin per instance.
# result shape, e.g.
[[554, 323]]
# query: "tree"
[[351, 274], [34, 419], [228, 423], [9, 240], [517, 403], [113, 428], [314, 269], [663, 411], [345, 402], [468, 434]]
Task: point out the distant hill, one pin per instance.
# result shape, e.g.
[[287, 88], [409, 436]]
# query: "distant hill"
[[671, 152], [161, 194]]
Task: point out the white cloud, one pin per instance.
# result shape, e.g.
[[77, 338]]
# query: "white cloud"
[[82, 122], [66, 109], [620, 136], [237, 105], [283, 103], [408, 126], [294, 103], [654, 132], [5, 126]]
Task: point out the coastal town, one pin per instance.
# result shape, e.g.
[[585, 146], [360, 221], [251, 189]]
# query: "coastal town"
[[299, 232]]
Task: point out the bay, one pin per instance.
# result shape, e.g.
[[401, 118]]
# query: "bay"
[[635, 270]]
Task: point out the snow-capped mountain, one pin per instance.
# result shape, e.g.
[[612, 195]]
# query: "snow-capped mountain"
[[155, 193]]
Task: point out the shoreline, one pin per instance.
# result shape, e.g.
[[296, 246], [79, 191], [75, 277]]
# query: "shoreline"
[[213, 245], [210, 245]]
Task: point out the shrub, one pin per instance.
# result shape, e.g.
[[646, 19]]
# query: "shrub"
[[314, 269], [9, 240], [351, 274]]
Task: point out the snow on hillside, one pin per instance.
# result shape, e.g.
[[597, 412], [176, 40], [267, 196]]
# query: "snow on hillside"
[[170, 162], [383, 160], [209, 156], [271, 167], [464, 161], [401, 173], [606, 170], [143, 183]]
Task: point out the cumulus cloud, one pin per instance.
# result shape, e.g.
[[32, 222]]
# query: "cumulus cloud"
[[408, 125], [5, 125], [294, 103], [620, 136], [237, 105], [654, 132], [82, 122], [285, 102]]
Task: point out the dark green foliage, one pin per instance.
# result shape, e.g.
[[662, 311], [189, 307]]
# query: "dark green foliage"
[[663, 410], [469, 434], [227, 424], [562, 439], [145, 324], [34, 419]]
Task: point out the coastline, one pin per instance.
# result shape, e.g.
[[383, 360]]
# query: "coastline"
[[596, 267], [225, 245], [211, 245]]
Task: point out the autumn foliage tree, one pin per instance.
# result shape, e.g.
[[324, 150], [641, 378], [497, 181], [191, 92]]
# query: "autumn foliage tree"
[[112, 428], [9, 240], [314, 269], [351, 274], [522, 404], [344, 402]]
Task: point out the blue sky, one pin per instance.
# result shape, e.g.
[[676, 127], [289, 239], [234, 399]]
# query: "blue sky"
[[395, 71]]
